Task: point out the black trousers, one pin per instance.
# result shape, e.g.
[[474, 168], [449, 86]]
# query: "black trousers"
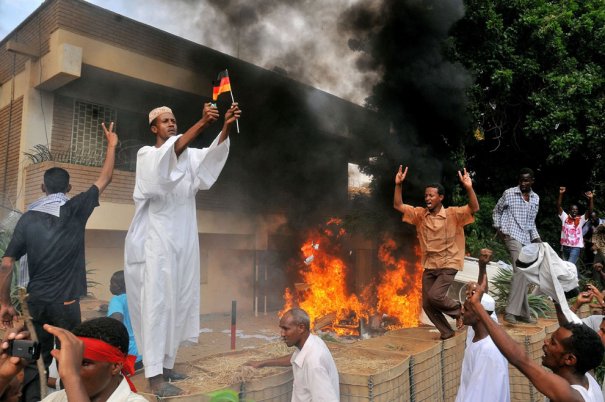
[[61, 315]]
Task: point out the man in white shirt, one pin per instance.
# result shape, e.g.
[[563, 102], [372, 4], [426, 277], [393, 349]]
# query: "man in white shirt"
[[570, 353], [596, 322], [482, 359], [315, 373]]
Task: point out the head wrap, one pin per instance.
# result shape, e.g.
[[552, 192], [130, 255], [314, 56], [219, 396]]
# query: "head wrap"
[[488, 302], [158, 111], [97, 350]]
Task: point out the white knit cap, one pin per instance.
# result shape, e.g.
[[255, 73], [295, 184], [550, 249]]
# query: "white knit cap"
[[158, 111], [529, 253], [488, 302]]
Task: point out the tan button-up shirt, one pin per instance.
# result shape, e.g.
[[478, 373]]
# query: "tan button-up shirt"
[[441, 236]]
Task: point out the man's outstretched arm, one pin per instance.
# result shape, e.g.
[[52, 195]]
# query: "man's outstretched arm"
[[485, 255], [590, 197], [467, 182], [209, 115], [231, 116], [551, 385], [110, 158], [560, 200], [283, 361], [399, 179]]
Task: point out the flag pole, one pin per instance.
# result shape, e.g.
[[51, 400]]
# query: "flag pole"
[[233, 100]]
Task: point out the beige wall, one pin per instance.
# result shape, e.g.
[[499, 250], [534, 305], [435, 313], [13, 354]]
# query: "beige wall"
[[226, 273]]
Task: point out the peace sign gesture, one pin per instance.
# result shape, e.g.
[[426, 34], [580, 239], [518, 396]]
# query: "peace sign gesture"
[[112, 137]]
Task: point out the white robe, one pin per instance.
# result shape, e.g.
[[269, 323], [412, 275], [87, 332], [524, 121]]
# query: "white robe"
[[484, 374], [162, 263], [554, 277]]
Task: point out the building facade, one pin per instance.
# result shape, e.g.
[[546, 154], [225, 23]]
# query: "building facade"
[[72, 65]]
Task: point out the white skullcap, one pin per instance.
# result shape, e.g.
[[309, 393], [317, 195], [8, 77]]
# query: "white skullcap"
[[529, 253], [158, 111], [488, 302]]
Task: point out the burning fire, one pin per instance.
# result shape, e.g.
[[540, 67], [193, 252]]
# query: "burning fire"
[[324, 295]]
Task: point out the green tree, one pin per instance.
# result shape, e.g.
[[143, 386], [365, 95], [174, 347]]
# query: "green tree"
[[538, 96]]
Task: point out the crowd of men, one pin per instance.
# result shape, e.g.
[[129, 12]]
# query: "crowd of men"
[[572, 351], [162, 269]]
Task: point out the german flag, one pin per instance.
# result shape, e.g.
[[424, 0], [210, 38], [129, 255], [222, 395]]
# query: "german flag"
[[221, 85]]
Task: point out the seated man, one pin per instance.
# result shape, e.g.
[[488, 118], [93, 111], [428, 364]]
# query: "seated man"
[[570, 353], [93, 362], [118, 309]]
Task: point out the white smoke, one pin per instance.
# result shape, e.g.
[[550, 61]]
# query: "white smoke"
[[298, 37]]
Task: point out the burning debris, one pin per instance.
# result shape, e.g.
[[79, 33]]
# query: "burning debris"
[[391, 301]]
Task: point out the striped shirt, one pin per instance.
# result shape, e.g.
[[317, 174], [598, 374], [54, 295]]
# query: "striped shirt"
[[516, 217]]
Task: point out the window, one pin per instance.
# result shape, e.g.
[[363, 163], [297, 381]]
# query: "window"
[[88, 141]]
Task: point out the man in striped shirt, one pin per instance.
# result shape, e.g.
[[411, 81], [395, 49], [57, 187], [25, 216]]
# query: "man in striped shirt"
[[515, 221]]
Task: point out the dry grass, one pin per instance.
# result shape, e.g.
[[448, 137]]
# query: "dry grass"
[[221, 371]]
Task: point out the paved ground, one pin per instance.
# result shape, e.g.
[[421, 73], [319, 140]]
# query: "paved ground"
[[215, 331]]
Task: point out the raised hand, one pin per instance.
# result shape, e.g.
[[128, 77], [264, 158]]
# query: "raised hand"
[[70, 355], [112, 137], [474, 293], [465, 178], [485, 256], [562, 190], [209, 113], [596, 293], [400, 176], [583, 298], [588, 194], [233, 113]]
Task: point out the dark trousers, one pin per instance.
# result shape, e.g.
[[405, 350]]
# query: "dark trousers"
[[435, 302], [59, 315]]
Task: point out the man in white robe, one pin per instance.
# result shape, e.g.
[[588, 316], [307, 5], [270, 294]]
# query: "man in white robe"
[[162, 264], [482, 359]]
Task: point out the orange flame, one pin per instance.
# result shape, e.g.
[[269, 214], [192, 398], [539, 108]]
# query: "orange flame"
[[323, 291], [399, 295]]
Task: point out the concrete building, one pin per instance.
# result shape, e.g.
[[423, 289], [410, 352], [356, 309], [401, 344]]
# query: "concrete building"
[[71, 65]]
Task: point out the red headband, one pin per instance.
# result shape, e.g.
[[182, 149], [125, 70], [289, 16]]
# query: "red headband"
[[97, 350]]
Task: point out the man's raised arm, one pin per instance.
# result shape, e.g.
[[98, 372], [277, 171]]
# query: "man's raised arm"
[[110, 158], [485, 255], [560, 200], [399, 178], [590, 197], [467, 183], [209, 116], [230, 117], [551, 385]]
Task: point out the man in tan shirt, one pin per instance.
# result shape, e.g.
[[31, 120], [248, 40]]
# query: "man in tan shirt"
[[440, 233]]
